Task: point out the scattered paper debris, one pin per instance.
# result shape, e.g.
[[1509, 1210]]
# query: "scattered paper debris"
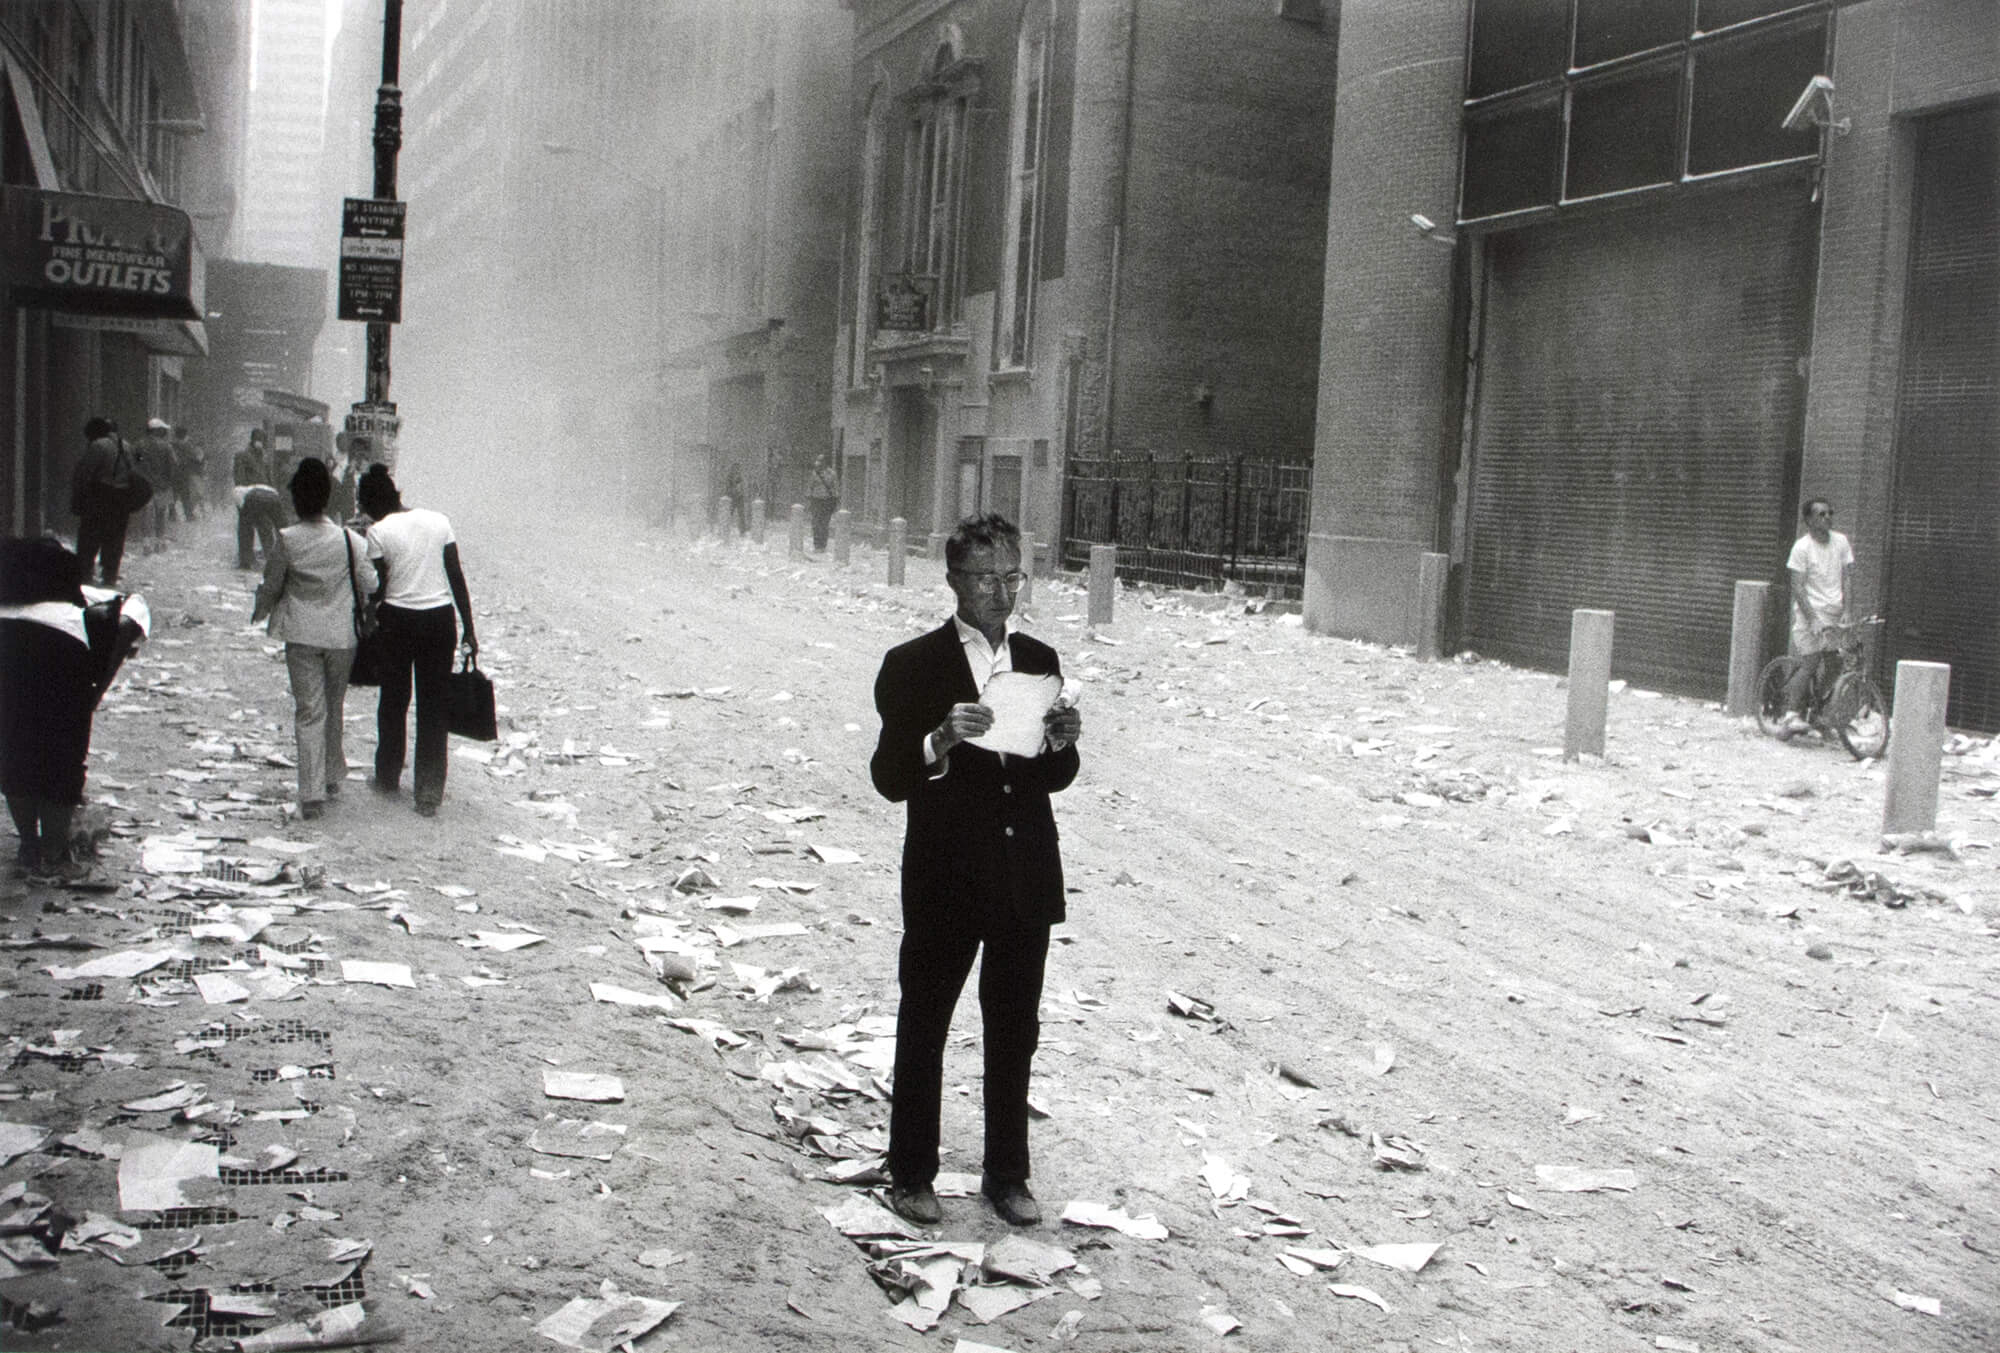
[[1084, 1213], [381, 974], [601, 1323], [582, 1085], [1580, 1179], [645, 1000], [1410, 1258], [157, 1173], [1358, 1293]]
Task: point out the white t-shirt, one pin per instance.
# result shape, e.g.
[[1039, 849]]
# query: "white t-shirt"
[[411, 544], [1823, 567]]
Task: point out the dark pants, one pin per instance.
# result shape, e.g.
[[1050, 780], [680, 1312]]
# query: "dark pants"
[[100, 540], [257, 523], [936, 957], [420, 643], [822, 510]]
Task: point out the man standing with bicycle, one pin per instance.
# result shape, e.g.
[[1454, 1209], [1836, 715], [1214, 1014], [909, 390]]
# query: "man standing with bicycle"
[[1821, 568]]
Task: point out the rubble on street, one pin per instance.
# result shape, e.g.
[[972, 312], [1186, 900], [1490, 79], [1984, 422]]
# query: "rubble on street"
[[1376, 1023]]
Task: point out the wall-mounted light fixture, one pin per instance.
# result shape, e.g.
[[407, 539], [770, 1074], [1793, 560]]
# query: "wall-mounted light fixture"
[[1430, 229], [1203, 397]]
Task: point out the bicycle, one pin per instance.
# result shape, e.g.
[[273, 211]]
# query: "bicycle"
[[1843, 702]]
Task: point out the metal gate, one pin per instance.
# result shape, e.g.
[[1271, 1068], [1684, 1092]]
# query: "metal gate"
[[1944, 567], [1636, 439], [1183, 522]]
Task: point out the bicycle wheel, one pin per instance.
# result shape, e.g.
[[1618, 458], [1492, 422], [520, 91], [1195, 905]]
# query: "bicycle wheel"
[[1864, 721], [1771, 683]]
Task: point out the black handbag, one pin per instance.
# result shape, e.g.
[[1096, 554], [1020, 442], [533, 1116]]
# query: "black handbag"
[[370, 658], [469, 702]]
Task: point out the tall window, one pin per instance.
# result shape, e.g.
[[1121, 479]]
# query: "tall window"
[[1016, 311], [933, 183], [1568, 100], [867, 249]]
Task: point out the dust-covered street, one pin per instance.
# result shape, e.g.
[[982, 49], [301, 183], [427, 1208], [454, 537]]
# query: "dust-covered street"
[[1405, 1033]]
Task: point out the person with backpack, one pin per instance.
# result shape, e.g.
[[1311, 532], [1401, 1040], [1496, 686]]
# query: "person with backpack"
[[105, 490]]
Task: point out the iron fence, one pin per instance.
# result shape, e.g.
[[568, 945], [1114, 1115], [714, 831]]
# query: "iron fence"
[[1191, 523]]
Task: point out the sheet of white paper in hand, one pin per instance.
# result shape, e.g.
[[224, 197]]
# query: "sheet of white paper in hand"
[[1018, 701]]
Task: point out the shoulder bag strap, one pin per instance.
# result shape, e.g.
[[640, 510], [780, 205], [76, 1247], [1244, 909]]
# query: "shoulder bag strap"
[[353, 586]]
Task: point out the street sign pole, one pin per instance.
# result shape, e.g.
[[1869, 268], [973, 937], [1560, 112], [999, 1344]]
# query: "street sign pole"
[[375, 417]]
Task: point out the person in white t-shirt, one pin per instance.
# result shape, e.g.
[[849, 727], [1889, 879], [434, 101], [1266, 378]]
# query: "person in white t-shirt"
[[416, 554], [1821, 569]]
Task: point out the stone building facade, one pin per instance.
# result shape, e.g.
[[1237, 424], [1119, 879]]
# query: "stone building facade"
[[1076, 228]]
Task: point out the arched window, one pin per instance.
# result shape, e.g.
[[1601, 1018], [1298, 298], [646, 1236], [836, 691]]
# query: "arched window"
[[1013, 346], [934, 181]]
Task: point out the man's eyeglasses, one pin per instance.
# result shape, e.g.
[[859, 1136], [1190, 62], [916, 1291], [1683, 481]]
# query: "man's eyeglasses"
[[1011, 581]]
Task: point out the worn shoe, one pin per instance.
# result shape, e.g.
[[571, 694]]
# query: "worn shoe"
[[1011, 1199], [1793, 723], [918, 1204], [309, 811], [425, 808]]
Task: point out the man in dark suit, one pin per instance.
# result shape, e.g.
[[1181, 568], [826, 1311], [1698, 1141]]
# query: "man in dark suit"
[[981, 866]]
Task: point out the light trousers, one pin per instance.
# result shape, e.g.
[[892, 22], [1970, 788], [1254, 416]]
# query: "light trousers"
[[319, 691]]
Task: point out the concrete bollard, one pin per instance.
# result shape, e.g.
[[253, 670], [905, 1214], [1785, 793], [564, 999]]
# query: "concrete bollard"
[[1027, 592], [1746, 645], [1589, 682], [1103, 583], [725, 513], [757, 520], [795, 543], [1916, 746], [936, 547], [896, 549], [1432, 572], [843, 536]]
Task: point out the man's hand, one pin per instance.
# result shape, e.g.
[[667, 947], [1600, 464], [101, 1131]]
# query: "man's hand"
[[1064, 723], [964, 721]]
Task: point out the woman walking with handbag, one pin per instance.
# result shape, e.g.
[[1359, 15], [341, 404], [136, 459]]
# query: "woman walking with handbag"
[[317, 579], [417, 555]]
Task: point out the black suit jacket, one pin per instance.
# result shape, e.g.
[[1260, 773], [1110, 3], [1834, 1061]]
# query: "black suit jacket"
[[980, 845]]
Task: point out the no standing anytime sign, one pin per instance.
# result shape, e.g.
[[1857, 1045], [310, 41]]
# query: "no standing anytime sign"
[[371, 260]]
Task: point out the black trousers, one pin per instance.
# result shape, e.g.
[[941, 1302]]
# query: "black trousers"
[[822, 510], [935, 961], [100, 540], [417, 647]]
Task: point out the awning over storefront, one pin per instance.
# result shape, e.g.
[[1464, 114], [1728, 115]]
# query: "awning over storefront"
[[90, 255], [166, 337], [301, 405]]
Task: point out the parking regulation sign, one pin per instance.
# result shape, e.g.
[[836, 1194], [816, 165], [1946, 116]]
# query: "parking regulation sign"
[[371, 260]]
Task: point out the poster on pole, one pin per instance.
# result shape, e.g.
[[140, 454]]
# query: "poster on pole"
[[371, 260]]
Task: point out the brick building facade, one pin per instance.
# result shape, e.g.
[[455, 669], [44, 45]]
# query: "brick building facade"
[[1657, 318]]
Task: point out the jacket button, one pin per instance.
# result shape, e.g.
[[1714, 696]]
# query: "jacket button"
[[1006, 789], [1010, 831]]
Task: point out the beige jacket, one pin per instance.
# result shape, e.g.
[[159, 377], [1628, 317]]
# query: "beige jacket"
[[306, 591]]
